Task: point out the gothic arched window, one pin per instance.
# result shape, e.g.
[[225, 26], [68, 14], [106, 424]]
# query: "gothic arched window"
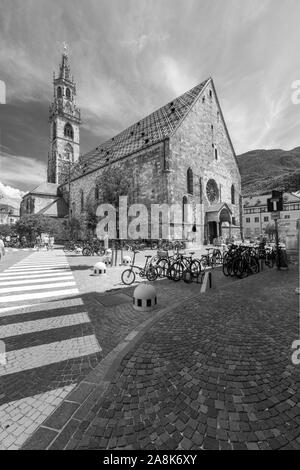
[[190, 181], [232, 194], [59, 92], [200, 190], [96, 192], [68, 93], [81, 200], [54, 131], [68, 131]]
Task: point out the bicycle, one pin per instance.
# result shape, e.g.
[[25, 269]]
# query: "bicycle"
[[183, 264], [211, 259], [148, 271]]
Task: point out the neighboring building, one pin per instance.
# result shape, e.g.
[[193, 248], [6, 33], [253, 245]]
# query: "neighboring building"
[[181, 153], [8, 214], [45, 199], [257, 218]]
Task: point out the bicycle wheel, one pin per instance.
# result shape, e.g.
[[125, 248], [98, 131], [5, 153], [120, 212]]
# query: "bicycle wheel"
[[269, 261], [86, 252], [176, 271], [253, 265], [188, 276], [195, 268], [204, 261], [217, 257], [162, 267], [128, 277], [151, 274]]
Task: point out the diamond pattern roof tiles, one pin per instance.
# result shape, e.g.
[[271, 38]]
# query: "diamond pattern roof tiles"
[[149, 130]]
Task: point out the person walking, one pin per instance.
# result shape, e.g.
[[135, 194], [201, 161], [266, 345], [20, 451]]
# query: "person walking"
[[2, 248]]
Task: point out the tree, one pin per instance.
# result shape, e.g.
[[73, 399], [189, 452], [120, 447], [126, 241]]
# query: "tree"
[[270, 231], [73, 228], [6, 230], [32, 225], [113, 183]]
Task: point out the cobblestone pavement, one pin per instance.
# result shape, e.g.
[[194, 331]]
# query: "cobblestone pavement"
[[213, 373]]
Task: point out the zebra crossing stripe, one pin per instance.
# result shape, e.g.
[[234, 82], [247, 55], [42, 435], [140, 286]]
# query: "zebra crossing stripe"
[[45, 354], [44, 306], [58, 271], [33, 326], [32, 287], [38, 280], [33, 276], [38, 295]]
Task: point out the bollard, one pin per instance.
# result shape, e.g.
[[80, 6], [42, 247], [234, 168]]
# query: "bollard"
[[144, 297], [100, 268]]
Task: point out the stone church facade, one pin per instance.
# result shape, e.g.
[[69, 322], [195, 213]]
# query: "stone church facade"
[[180, 154]]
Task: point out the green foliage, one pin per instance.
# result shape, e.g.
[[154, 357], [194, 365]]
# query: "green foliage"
[[72, 228], [113, 183], [32, 225], [6, 230]]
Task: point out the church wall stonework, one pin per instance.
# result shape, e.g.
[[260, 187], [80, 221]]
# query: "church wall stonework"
[[149, 181], [159, 172], [191, 146]]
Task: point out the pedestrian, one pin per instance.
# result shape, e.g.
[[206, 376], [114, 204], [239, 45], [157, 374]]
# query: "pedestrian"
[[2, 248], [46, 241], [51, 243]]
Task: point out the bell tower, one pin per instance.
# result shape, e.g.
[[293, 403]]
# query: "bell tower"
[[64, 120]]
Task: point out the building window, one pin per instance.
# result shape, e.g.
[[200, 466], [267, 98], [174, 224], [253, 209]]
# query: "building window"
[[68, 93], [256, 219], [190, 181], [81, 201], [54, 130], [232, 194], [184, 209], [96, 192], [216, 153], [287, 216], [68, 131], [233, 221], [200, 190], [266, 219], [59, 92], [248, 220], [210, 93], [212, 191]]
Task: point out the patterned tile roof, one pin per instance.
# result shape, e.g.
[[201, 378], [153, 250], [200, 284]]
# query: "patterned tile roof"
[[149, 130]]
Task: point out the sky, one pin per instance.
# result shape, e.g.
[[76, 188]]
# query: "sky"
[[130, 57]]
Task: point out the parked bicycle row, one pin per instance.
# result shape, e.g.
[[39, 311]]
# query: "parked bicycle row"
[[242, 260], [177, 266]]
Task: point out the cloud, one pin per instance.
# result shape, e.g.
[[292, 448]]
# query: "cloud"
[[10, 195], [20, 171]]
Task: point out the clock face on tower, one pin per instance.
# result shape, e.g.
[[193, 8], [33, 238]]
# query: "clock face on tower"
[[212, 191]]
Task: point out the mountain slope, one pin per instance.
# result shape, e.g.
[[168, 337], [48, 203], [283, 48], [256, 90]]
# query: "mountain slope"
[[265, 170]]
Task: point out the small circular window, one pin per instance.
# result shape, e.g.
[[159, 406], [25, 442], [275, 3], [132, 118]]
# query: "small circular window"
[[212, 191]]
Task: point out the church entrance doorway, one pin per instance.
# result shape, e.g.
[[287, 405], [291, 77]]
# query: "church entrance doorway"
[[212, 231]]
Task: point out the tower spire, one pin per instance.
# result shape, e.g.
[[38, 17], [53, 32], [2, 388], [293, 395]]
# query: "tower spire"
[[64, 119]]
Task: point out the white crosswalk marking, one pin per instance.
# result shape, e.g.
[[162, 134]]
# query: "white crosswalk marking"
[[44, 280]]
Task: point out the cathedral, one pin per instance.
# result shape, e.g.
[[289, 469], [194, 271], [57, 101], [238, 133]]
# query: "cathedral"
[[179, 154]]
